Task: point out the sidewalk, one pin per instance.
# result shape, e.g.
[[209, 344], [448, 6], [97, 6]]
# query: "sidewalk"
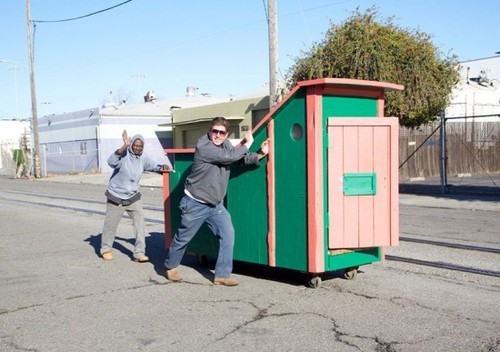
[[149, 179]]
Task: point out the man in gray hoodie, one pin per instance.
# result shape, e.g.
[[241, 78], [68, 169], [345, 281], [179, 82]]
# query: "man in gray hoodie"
[[128, 163], [205, 189]]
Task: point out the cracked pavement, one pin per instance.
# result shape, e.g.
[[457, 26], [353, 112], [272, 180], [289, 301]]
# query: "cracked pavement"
[[58, 295]]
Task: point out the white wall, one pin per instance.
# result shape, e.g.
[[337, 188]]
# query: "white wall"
[[473, 97], [11, 133], [110, 137]]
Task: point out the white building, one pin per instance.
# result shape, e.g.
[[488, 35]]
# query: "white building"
[[478, 92], [81, 141], [12, 135]]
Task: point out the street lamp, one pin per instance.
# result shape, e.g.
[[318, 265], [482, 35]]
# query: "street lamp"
[[14, 69], [3, 61]]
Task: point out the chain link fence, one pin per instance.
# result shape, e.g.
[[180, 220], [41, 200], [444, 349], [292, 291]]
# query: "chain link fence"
[[454, 155], [8, 165]]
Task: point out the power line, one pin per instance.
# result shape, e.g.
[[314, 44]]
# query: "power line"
[[80, 17], [265, 9]]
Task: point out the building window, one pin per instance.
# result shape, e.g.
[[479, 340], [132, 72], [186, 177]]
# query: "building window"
[[83, 148]]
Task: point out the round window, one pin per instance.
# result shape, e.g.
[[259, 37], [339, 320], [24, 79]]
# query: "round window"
[[297, 132]]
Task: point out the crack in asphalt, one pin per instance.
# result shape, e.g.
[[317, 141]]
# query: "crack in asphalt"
[[263, 313], [152, 282], [493, 346], [11, 344], [70, 298]]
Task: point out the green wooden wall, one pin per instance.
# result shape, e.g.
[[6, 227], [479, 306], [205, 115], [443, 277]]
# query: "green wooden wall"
[[291, 185]]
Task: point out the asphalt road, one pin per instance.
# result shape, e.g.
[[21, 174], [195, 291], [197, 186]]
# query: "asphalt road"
[[440, 291]]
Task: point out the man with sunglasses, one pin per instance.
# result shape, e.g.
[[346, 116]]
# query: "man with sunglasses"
[[205, 189]]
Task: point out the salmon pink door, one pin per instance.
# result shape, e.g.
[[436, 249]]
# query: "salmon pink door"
[[362, 182]]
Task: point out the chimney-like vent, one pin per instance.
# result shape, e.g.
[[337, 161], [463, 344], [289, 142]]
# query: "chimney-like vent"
[[150, 97], [191, 91]]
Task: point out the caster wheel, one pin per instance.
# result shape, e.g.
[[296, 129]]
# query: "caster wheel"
[[350, 273], [315, 282]]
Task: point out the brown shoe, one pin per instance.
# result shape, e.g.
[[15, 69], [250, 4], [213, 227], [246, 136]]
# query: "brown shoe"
[[142, 259], [173, 275], [225, 281], [107, 255]]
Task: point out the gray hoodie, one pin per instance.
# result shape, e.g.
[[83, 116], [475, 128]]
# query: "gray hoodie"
[[128, 169], [211, 168]]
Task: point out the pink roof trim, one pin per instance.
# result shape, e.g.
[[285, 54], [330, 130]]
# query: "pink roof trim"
[[351, 82], [329, 82]]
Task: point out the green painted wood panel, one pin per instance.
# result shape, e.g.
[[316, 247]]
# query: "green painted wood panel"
[[291, 185], [360, 183], [246, 201], [339, 106], [353, 259], [204, 243]]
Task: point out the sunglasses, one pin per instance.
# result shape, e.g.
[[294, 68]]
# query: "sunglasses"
[[217, 132]]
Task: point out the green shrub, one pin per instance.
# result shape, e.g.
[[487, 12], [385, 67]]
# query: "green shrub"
[[18, 156]]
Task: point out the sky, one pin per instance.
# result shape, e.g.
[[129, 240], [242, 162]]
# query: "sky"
[[220, 47]]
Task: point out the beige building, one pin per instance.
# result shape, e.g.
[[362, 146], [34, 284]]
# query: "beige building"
[[191, 123]]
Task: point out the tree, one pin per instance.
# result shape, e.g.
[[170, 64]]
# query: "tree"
[[364, 48], [18, 157]]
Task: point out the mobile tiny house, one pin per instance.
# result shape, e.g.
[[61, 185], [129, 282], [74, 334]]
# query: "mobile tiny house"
[[325, 198]]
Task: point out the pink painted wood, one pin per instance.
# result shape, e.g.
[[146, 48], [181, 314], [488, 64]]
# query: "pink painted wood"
[[363, 145], [271, 197], [315, 211]]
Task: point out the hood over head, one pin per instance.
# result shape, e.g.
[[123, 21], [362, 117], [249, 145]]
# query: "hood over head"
[[132, 141]]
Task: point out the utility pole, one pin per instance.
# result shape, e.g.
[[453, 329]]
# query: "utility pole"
[[272, 23], [36, 153], [443, 162]]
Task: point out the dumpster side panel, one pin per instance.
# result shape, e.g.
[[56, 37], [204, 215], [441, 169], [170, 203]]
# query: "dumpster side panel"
[[291, 184]]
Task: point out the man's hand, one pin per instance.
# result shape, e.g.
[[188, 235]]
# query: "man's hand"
[[247, 136], [264, 147], [126, 143], [126, 139]]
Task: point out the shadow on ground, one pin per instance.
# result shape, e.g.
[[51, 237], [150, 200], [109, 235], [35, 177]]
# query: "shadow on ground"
[[155, 249], [490, 192]]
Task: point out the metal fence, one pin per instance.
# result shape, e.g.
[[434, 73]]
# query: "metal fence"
[[456, 154], [70, 161], [8, 165]]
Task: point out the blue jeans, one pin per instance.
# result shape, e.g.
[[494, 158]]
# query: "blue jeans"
[[193, 215]]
